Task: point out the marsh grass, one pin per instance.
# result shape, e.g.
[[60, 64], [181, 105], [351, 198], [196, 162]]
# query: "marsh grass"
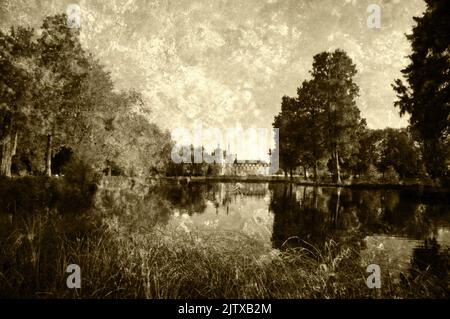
[[169, 263]]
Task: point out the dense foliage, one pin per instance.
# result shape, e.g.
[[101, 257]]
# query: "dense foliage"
[[321, 130], [426, 94], [57, 102]]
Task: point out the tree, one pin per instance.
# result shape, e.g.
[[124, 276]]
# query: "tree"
[[369, 152], [324, 117], [64, 65], [399, 152], [285, 121], [426, 94], [310, 127], [54, 96], [336, 93], [17, 84], [121, 137]]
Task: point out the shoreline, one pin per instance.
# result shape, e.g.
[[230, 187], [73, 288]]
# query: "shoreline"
[[410, 184], [413, 183]]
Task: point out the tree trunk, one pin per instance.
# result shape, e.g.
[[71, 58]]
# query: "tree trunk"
[[290, 173], [434, 159], [48, 156], [338, 169], [305, 173], [316, 174], [8, 150]]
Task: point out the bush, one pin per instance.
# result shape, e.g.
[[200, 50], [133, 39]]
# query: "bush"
[[74, 192], [391, 175], [79, 185], [27, 194], [372, 173]]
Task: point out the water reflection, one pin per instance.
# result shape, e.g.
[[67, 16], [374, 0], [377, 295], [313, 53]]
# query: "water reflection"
[[431, 257], [313, 214], [385, 226], [402, 229], [396, 226]]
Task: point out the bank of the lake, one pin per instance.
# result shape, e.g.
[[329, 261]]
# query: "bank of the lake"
[[411, 182], [430, 189]]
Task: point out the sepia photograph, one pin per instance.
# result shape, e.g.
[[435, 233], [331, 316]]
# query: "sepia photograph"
[[246, 150]]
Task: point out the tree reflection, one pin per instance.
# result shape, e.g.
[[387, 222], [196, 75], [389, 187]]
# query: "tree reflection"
[[312, 215], [189, 198], [316, 215]]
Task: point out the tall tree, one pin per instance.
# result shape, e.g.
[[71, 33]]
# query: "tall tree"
[[285, 121], [64, 65], [310, 127], [17, 84], [336, 92], [426, 94]]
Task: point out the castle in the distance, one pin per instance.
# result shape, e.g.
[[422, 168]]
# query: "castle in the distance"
[[231, 166]]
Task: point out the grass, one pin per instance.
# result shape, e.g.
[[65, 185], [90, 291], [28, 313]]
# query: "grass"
[[168, 263]]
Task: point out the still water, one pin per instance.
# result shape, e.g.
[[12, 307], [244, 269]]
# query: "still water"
[[400, 228]]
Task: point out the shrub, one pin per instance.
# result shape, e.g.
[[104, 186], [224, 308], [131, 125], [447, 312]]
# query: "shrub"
[[79, 185], [391, 175]]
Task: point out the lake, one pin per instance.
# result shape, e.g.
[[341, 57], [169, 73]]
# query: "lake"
[[403, 229], [169, 239]]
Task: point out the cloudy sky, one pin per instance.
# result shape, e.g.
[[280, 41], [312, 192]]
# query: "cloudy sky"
[[227, 63]]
